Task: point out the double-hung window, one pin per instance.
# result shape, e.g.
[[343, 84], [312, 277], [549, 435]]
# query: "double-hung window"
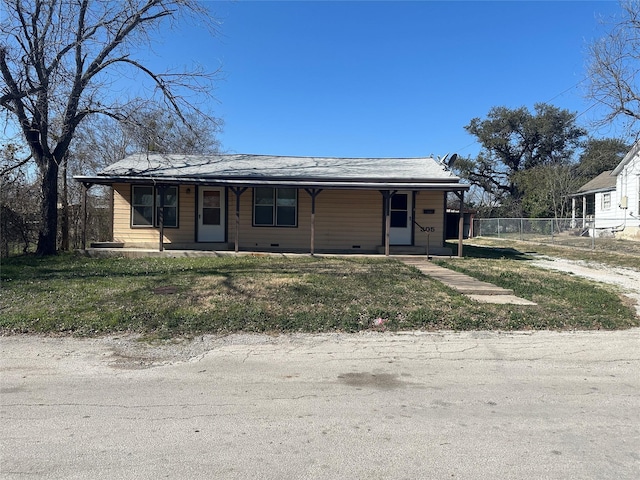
[[275, 207], [606, 201], [146, 206]]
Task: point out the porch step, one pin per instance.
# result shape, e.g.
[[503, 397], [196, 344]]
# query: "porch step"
[[415, 250], [211, 246], [107, 245]]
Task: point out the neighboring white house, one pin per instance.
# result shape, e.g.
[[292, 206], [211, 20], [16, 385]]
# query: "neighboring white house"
[[611, 201], [598, 202], [627, 175]]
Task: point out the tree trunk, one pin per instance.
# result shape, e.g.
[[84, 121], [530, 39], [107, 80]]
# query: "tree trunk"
[[47, 237], [64, 218]]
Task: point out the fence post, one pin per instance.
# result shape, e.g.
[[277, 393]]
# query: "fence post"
[[521, 230], [498, 227]]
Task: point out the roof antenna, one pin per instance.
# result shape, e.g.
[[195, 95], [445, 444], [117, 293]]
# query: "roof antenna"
[[447, 161]]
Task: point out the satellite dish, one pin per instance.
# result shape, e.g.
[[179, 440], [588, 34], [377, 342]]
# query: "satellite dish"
[[452, 160], [443, 159]]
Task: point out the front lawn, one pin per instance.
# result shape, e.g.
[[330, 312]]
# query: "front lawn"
[[182, 296]]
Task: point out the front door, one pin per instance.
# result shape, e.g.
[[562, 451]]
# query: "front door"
[[211, 214], [401, 219]]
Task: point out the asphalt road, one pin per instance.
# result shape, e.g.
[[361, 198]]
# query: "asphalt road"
[[477, 405]]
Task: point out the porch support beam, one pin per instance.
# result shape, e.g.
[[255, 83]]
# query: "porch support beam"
[[85, 189], [237, 191], [387, 195], [460, 195], [161, 192], [313, 193]]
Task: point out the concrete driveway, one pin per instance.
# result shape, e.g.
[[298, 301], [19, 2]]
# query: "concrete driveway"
[[375, 405]]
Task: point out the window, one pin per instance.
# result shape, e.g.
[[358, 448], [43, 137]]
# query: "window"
[[142, 206], [606, 201], [275, 207], [211, 207], [170, 217], [145, 206], [399, 210]]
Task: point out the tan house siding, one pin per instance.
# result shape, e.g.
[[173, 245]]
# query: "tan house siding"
[[150, 236], [345, 220], [336, 227], [426, 200], [262, 238]]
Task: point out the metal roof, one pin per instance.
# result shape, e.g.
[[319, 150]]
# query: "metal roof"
[[602, 183], [250, 170]]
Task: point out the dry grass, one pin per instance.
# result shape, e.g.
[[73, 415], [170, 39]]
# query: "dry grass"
[[171, 296]]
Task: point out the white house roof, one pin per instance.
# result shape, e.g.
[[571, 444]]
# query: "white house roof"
[[239, 169]]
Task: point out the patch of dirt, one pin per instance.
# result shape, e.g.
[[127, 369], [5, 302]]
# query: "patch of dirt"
[[626, 279]]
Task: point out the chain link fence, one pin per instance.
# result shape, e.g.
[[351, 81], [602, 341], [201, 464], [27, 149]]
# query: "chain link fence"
[[576, 232]]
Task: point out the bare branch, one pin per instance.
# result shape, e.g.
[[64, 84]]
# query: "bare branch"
[[15, 166], [613, 67]]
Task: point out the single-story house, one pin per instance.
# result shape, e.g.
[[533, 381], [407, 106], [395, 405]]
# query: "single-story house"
[[598, 200], [611, 201], [279, 203]]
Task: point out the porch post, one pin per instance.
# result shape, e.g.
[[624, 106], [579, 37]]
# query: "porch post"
[[573, 212], [584, 211], [237, 191], [313, 193], [85, 189], [161, 190], [461, 223], [387, 194]]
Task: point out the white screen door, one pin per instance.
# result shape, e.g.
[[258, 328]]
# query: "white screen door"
[[211, 211], [401, 220]]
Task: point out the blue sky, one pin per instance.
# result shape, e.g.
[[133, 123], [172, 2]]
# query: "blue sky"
[[387, 79]]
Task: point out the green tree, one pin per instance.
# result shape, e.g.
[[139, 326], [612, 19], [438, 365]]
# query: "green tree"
[[58, 60], [545, 190], [600, 155], [515, 140]]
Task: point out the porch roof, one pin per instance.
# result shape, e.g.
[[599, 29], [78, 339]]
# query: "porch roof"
[[602, 183], [268, 170]]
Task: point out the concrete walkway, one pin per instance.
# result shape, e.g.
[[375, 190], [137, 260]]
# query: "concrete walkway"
[[464, 284]]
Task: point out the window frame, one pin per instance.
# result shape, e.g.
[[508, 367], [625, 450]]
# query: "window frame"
[[275, 207], [606, 201], [155, 207]]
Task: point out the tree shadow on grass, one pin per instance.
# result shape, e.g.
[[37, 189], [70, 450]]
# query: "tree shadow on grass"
[[476, 251]]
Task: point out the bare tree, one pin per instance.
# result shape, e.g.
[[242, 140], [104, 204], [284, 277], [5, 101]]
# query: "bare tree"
[[60, 61], [17, 200], [161, 131], [614, 67]]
